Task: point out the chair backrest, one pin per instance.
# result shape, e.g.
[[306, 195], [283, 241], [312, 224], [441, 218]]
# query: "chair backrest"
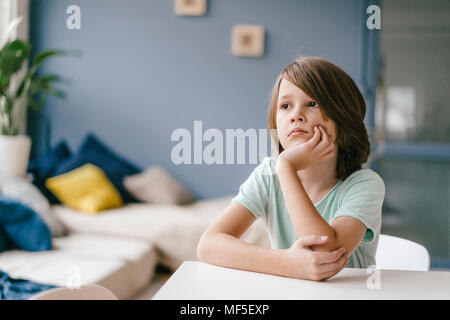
[[85, 292], [394, 253]]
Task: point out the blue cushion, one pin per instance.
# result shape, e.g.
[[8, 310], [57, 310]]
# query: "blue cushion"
[[92, 150], [43, 168], [4, 243], [20, 289], [23, 226]]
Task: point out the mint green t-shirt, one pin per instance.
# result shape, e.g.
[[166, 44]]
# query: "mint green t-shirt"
[[359, 196]]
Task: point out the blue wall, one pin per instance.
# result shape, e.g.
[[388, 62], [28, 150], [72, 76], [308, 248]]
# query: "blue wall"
[[145, 72]]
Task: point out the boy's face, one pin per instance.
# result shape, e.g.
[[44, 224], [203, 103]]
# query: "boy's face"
[[295, 109]]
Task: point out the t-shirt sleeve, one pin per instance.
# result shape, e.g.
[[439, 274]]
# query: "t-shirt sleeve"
[[363, 200], [253, 193]]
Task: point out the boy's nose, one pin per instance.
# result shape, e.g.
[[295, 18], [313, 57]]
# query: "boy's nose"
[[297, 117], [297, 114]]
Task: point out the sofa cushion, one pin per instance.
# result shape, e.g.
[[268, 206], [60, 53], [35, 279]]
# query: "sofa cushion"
[[23, 226], [125, 266], [86, 189], [92, 150], [174, 230], [22, 190], [60, 268], [140, 255], [43, 167], [155, 185]]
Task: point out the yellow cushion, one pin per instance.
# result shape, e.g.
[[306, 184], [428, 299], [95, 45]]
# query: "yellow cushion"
[[86, 189]]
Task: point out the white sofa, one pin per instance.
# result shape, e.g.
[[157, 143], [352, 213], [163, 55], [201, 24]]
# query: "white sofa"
[[120, 248]]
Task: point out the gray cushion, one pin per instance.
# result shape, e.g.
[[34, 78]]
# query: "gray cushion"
[[155, 185], [21, 189]]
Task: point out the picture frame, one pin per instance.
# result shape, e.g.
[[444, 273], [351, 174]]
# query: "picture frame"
[[190, 7], [248, 40]]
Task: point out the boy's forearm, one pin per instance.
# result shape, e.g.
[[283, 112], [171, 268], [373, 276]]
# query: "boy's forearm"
[[227, 251], [304, 216]]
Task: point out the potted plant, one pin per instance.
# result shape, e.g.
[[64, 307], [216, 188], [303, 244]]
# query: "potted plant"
[[15, 97]]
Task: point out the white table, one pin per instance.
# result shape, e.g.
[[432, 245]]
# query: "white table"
[[201, 281]]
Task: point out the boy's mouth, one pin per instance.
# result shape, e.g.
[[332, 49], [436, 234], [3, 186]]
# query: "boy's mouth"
[[297, 132]]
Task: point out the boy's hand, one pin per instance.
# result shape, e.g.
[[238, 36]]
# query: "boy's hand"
[[314, 265], [318, 148]]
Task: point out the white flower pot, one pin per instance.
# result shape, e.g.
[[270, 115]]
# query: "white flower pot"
[[14, 154]]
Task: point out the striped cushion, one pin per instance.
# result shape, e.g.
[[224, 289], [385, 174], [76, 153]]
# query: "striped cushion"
[[21, 189]]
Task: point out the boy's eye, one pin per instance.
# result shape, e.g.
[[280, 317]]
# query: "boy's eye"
[[284, 105], [312, 104]]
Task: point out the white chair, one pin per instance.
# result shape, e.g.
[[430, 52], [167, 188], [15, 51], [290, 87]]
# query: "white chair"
[[86, 292], [394, 253]]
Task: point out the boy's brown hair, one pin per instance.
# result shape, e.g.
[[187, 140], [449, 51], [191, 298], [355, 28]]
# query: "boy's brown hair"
[[339, 99]]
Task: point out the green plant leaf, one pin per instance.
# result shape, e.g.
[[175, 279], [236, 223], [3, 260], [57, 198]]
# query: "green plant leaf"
[[43, 81], [59, 94], [37, 105], [42, 56], [33, 87], [8, 106], [48, 78], [8, 100], [44, 84], [23, 84], [12, 57]]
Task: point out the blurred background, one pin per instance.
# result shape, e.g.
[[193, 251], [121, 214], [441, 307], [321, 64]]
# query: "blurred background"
[[145, 71]]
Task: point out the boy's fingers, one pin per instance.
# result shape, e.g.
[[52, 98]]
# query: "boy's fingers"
[[327, 275], [315, 138], [325, 140], [324, 132], [313, 239], [324, 257], [335, 266], [328, 152], [327, 149]]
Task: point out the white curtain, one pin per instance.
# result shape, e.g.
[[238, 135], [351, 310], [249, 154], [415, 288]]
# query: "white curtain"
[[10, 10]]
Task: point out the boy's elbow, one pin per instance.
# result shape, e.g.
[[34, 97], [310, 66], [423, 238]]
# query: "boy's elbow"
[[326, 248], [331, 244]]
